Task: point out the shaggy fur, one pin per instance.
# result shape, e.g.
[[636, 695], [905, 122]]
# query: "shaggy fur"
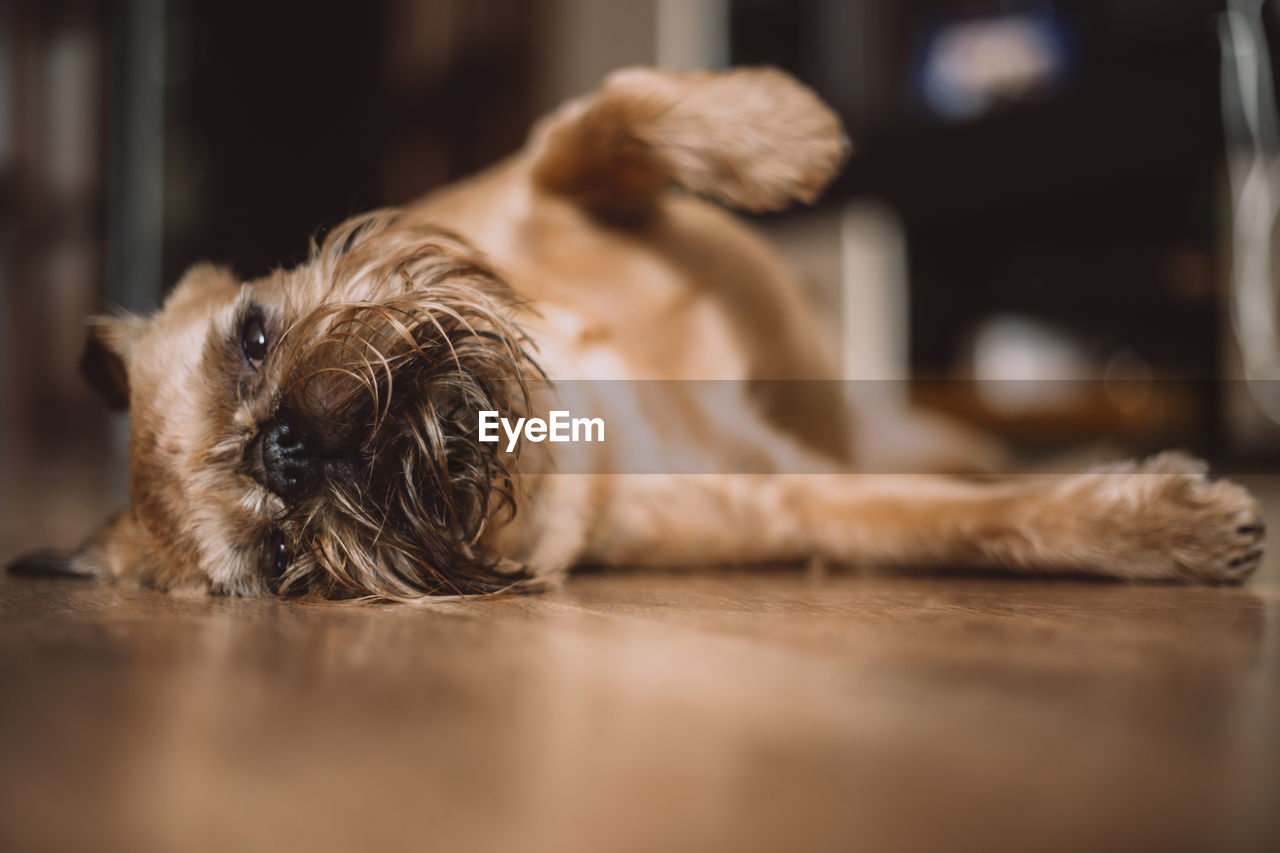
[[384, 392]]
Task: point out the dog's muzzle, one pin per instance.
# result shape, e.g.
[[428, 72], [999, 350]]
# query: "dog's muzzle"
[[282, 460]]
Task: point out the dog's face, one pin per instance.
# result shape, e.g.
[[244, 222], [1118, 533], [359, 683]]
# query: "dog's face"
[[315, 430]]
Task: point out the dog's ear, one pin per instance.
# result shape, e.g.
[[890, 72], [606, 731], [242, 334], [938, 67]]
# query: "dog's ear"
[[104, 362], [117, 548], [52, 563]]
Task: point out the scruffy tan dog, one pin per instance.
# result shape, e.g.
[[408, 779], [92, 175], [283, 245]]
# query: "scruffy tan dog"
[[318, 430]]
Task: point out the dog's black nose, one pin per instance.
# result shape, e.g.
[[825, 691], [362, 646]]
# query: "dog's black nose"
[[287, 466]]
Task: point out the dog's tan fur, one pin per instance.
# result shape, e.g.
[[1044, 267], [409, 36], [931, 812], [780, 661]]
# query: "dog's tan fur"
[[576, 255]]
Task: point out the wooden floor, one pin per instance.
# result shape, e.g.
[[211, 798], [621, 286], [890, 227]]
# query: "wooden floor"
[[702, 711]]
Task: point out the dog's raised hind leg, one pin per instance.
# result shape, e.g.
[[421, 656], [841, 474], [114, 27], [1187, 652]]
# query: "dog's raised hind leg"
[[754, 139]]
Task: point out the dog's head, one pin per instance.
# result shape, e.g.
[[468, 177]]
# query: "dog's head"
[[315, 430]]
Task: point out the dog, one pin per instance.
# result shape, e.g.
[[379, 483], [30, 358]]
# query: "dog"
[[319, 431]]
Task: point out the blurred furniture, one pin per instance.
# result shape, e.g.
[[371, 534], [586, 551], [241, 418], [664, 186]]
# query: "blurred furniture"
[[1086, 203]]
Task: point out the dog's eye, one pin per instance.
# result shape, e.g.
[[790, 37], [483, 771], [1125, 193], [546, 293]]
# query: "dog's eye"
[[281, 560], [275, 560], [253, 340]]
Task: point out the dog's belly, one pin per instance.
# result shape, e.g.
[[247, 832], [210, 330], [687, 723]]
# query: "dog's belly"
[[695, 295]]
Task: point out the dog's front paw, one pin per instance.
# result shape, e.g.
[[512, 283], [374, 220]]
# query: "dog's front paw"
[[1167, 518], [1215, 525]]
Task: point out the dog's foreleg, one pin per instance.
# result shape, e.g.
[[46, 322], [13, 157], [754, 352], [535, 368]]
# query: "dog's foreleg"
[[754, 139], [1160, 519]]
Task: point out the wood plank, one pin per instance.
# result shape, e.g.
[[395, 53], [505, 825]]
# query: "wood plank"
[[706, 710]]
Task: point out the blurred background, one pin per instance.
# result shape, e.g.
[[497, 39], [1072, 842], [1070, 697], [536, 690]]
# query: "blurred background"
[[1057, 222]]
